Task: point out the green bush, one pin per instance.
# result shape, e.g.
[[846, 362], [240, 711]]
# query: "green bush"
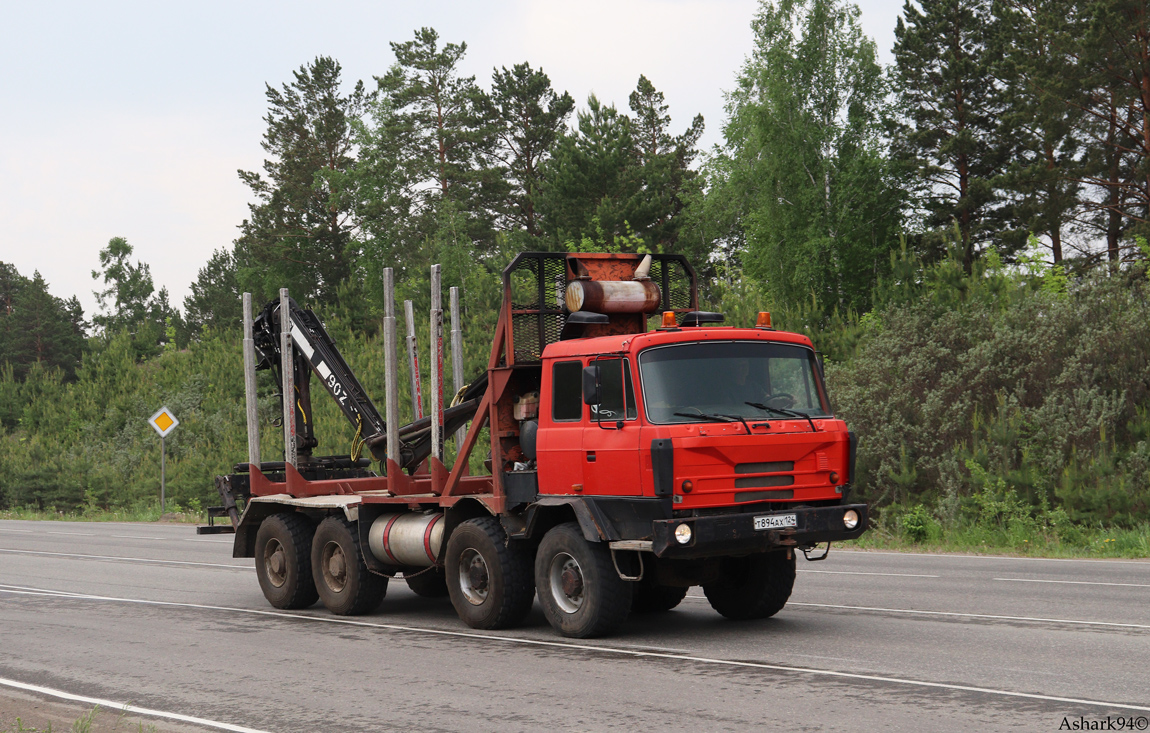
[[918, 525], [1043, 388]]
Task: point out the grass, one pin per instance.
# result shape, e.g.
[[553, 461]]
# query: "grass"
[[1074, 541], [83, 724], [142, 513]]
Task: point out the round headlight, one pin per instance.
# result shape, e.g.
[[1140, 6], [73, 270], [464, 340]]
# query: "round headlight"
[[850, 519], [683, 534]]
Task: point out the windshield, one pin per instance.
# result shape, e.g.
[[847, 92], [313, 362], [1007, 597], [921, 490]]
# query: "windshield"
[[717, 379]]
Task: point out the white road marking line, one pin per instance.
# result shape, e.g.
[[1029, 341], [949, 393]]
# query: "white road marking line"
[[1075, 582], [954, 556], [852, 572], [131, 709], [128, 559], [20, 590], [1108, 624], [125, 536]]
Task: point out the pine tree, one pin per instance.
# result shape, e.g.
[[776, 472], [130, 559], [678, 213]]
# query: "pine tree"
[[1041, 129], [1112, 50], [299, 231], [951, 104], [215, 298], [428, 143], [591, 178], [619, 180], [665, 162], [129, 302], [529, 118], [46, 333], [36, 326]]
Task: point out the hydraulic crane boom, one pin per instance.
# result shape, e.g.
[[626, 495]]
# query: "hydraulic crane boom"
[[315, 352]]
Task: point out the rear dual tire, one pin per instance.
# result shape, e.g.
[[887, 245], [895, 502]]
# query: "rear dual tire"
[[342, 579], [488, 576], [283, 561]]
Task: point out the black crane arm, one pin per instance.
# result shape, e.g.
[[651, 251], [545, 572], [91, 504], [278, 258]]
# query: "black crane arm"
[[315, 352]]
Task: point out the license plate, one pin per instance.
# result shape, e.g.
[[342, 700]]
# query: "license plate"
[[777, 521]]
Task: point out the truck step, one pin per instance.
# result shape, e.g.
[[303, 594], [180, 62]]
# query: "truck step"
[[216, 529]]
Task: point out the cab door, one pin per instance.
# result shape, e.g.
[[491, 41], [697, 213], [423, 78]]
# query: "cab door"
[[562, 422], [611, 436]]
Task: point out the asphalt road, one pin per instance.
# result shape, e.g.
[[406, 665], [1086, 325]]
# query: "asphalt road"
[[166, 620]]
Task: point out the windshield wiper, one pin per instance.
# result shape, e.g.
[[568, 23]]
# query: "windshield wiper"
[[717, 418], [781, 411]]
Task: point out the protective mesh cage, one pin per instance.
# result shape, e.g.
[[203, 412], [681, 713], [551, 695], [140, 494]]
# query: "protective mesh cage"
[[538, 281], [675, 283]]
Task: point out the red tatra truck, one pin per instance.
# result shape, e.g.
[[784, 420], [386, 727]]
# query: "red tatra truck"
[[638, 447]]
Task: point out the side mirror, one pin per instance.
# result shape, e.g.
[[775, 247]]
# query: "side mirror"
[[592, 392]]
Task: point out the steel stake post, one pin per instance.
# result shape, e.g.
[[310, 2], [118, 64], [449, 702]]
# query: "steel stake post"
[[287, 365], [436, 364], [250, 396], [456, 357], [413, 361], [390, 366]]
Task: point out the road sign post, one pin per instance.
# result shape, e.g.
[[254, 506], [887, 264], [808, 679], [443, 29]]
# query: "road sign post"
[[163, 422]]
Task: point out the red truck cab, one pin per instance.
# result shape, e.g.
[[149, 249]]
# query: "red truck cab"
[[719, 420]]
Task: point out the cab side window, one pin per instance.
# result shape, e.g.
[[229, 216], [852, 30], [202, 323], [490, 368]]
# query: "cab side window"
[[612, 378], [567, 391]]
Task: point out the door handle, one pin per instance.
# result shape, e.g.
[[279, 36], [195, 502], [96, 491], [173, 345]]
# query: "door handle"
[[590, 456]]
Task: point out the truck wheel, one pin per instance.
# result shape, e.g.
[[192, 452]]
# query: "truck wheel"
[[428, 583], [488, 578], [581, 593], [650, 597], [345, 585], [752, 587], [283, 560]]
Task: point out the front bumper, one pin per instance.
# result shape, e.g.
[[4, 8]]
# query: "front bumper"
[[735, 534]]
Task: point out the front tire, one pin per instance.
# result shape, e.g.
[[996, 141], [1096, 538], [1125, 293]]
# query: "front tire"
[[283, 561], [345, 585], [581, 593], [488, 577], [753, 587]]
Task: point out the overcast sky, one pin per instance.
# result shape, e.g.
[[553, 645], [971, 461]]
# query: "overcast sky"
[[131, 118]]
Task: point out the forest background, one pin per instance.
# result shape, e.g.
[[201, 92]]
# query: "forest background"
[[962, 234]]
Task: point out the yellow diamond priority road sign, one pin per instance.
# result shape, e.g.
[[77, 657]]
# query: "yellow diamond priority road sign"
[[163, 421]]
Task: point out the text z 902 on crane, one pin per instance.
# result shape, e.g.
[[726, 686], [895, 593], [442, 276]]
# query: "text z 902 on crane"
[[637, 448]]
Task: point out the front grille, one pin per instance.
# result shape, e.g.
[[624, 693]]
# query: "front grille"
[[755, 482], [772, 467], [764, 495]]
